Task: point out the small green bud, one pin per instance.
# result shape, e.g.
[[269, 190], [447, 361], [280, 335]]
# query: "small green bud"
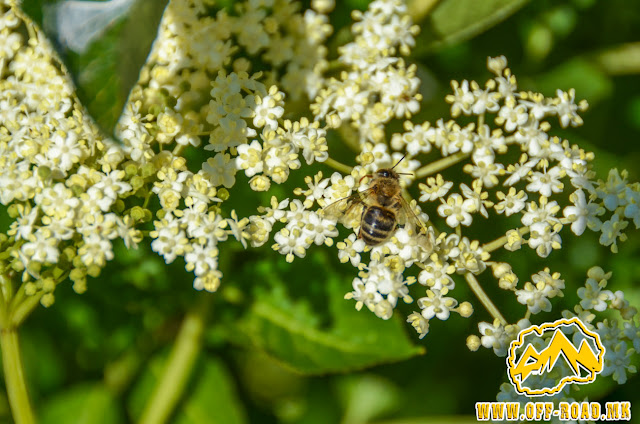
[[93, 270], [13, 211], [131, 170], [76, 190], [148, 170], [223, 194], [44, 172], [137, 182], [137, 213], [118, 207], [77, 274]]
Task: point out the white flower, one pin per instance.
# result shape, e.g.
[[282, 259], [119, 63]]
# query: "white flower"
[[290, 243], [202, 258], [435, 304], [511, 202], [567, 109], [436, 276], [593, 297], [457, 211], [65, 150], [23, 225], [220, 170], [420, 324], [415, 140], [57, 201], [546, 183], [494, 336], [319, 230], [544, 239], [40, 248], [364, 294], [578, 213], [276, 212], [169, 239], [250, 158], [269, 109], [617, 361], [350, 249], [546, 212], [611, 231], [534, 297], [435, 188], [512, 115], [462, 98], [95, 250], [112, 184]]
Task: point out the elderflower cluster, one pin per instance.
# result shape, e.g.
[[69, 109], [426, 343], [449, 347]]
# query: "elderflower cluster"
[[530, 185], [602, 311], [376, 85], [59, 178], [198, 81]]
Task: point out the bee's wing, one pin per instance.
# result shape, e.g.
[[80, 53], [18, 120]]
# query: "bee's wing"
[[343, 210], [408, 216]]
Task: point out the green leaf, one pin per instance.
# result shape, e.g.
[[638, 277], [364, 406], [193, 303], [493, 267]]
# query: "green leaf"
[[210, 398], [86, 403], [301, 337], [452, 21], [106, 68]]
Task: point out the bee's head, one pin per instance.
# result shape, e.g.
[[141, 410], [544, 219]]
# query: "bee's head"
[[387, 173]]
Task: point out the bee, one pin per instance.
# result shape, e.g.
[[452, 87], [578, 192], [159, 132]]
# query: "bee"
[[383, 207]]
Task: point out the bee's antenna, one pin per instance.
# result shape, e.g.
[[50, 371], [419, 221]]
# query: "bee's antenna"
[[401, 159]]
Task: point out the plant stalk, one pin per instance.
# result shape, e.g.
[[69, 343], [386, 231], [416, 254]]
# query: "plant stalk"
[[441, 164], [14, 377], [484, 299], [177, 371]]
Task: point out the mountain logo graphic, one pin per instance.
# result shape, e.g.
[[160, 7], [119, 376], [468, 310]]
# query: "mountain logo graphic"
[[524, 360]]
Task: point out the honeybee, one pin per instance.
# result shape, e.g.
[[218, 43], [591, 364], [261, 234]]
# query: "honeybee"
[[383, 207]]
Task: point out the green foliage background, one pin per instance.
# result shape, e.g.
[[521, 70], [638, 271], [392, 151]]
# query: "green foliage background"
[[281, 344]]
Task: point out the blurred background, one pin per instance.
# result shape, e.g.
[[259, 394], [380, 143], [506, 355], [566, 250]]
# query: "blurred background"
[[282, 345]]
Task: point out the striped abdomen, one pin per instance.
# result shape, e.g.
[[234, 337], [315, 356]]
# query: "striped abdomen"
[[377, 225]]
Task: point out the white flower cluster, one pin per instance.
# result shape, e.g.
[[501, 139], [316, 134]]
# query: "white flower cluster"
[[621, 339], [615, 198], [545, 167], [376, 85], [64, 211], [203, 63]]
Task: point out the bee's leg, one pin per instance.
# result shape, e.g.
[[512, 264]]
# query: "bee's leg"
[[361, 220]]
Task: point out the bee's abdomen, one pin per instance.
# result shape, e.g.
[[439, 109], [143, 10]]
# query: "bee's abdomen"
[[377, 225]]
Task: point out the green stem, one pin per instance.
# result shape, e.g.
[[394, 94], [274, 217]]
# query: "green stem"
[[500, 242], [338, 166], [177, 371], [14, 377], [24, 309], [441, 164], [484, 299]]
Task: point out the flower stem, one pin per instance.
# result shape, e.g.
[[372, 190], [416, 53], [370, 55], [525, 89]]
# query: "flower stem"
[[338, 166], [441, 164], [24, 309], [14, 377], [500, 242], [484, 299], [178, 369]]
